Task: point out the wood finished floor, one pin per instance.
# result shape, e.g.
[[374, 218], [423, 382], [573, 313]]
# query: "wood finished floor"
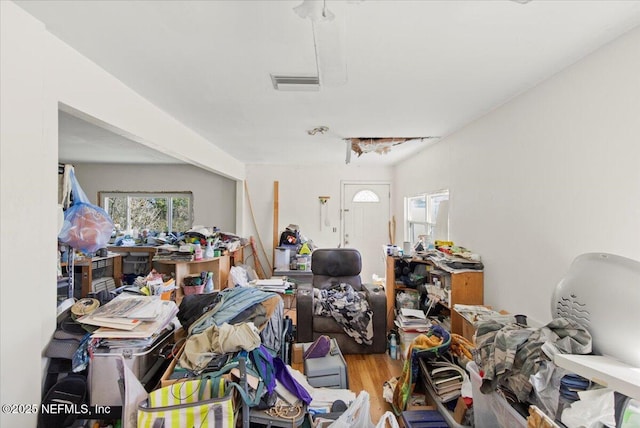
[[368, 372]]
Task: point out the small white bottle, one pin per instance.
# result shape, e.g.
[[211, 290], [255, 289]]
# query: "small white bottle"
[[393, 347], [208, 252], [198, 251]]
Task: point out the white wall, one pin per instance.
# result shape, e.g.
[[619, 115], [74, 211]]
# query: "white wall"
[[38, 74], [552, 174], [28, 193], [214, 196], [299, 188]]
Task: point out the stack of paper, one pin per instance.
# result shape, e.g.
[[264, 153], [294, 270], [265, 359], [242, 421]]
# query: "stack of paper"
[[130, 316], [277, 284], [474, 313], [157, 286], [172, 252], [412, 320]]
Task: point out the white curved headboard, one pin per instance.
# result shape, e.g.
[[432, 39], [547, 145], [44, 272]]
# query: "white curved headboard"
[[602, 292]]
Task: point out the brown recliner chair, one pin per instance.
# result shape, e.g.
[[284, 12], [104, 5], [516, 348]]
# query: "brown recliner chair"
[[330, 268]]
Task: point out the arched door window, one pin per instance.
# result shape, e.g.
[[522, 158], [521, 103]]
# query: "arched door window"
[[365, 196]]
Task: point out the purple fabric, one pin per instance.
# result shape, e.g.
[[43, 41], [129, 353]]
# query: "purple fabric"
[[288, 381], [319, 348]]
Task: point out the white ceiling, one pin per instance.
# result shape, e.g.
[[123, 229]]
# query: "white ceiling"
[[83, 142], [414, 68]]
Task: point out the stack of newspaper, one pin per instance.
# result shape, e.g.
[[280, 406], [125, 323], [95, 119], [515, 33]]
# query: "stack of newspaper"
[[132, 317]]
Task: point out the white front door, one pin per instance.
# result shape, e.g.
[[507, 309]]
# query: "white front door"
[[365, 215]]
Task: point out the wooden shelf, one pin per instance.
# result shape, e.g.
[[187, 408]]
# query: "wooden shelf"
[[86, 267], [467, 287], [238, 257], [218, 265]]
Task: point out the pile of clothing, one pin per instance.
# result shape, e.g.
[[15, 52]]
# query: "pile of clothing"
[[349, 308], [520, 359]]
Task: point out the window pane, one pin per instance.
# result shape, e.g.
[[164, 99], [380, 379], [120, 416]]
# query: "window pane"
[[415, 230], [366, 196], [116, 207], [181, 214], [417, 208], [150, 210], [435, 205], [149, 213]]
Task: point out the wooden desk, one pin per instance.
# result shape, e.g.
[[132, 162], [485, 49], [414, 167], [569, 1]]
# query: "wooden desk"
[[89, 268], [137, 250], [296, 276], [467, 327], [218, 265]]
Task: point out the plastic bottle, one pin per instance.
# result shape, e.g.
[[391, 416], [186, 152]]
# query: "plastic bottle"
[[208, 288], [198, 251], [208, 252], [393, 347]]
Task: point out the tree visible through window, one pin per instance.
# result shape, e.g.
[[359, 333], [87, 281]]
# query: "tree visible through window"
[[158, 212]]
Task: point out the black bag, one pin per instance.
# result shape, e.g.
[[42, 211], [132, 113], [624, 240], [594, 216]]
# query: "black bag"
[[194, 306], [288, 339], [415, 278], [289, 238], [70, 391]]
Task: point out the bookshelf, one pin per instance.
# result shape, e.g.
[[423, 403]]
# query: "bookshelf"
[[464, 287], [180, 269]]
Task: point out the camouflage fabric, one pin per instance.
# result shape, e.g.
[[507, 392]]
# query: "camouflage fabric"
[[509, 353], [349, 308]]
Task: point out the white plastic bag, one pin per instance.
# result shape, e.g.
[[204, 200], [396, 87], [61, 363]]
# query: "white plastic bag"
[[357, 414], [594, 408], [388, 417], [239, 276]]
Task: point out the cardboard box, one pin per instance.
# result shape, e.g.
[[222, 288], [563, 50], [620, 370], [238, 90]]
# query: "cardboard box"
[[179, 334], [419, 402], [297, 353], [468, 329], [460, 410]]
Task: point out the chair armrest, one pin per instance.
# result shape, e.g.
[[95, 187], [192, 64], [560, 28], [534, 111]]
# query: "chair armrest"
[[304, 313], [378, 304], [376, 297]]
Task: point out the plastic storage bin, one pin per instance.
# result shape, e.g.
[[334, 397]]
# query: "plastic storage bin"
[[329, 371], [103, 372], [491, 410]]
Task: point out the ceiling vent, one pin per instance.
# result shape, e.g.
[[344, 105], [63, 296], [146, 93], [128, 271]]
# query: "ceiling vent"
[[295, 83]]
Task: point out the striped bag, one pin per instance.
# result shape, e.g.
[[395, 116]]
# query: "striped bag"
[[190, 404]]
